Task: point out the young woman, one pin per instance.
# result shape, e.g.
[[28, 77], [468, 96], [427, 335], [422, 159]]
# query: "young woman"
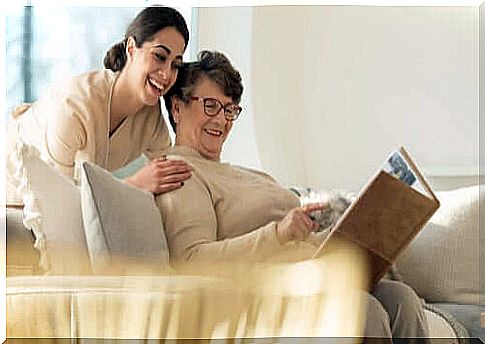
[[112, 116]]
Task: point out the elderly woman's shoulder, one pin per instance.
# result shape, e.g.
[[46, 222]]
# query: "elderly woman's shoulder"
[[252, 171]]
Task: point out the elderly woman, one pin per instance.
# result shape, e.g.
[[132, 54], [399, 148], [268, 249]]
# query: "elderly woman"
[[229, 212]]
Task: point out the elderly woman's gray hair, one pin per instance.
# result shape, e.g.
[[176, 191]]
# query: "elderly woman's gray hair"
[[211, 64]]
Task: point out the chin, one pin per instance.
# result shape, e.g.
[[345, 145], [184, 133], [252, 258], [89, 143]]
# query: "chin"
[[212, 155], [217, 156], [150, 101]]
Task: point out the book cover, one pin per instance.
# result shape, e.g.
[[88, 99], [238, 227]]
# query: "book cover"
[[388, 213]]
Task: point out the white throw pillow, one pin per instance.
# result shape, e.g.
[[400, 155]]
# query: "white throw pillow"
[[122, 223], [442, 262], [52, 209]]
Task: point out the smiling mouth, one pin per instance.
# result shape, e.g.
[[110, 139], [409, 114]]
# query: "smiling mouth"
[[213, 132], [158, 87]]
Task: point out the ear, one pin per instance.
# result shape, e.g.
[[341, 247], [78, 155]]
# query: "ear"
[[176, 104], [130, 48]]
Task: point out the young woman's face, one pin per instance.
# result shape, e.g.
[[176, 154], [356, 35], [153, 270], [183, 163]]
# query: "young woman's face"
[[197, 130], [154, 66]]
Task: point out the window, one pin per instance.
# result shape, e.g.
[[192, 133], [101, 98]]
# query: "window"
[[47, 43]]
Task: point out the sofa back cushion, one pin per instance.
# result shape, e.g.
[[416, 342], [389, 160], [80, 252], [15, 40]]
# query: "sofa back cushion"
[[442, 262]]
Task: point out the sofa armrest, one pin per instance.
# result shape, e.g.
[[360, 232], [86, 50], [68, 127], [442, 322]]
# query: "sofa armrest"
[[22, 257], [120, 306]]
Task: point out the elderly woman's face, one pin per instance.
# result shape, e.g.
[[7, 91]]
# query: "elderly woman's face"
[[197, 130]]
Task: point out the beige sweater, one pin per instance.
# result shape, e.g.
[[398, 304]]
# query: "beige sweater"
[[70, 123], [223, 212]]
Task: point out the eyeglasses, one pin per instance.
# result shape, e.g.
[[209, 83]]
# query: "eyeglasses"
[[212, 107]]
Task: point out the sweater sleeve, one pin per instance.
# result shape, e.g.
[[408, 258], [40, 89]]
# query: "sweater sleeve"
[[191, 227], [65, 135]]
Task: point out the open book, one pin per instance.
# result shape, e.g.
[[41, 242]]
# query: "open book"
[[387, 213]]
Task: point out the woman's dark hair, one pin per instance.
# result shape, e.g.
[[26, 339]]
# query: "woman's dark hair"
[[211, 64], [146, 24]]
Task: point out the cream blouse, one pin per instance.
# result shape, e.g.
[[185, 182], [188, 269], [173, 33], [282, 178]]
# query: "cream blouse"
[[70, 123]]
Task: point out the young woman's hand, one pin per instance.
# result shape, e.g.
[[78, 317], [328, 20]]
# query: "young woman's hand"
[[297, 224], [161, 175]]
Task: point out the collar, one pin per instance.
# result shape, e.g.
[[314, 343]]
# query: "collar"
[[188, 152]]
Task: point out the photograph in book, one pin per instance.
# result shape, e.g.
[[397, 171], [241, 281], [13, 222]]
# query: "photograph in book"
[[397, 167]]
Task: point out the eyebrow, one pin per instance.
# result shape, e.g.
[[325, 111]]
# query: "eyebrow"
[[167, 49]]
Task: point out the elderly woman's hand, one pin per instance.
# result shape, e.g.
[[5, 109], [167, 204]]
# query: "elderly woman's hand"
[[161, 175], [297, 224]]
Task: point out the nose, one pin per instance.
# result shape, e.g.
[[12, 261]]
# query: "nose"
[[220, 117], [164, 72]]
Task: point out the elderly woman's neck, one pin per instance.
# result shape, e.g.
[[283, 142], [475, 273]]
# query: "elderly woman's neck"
[[180, 144]]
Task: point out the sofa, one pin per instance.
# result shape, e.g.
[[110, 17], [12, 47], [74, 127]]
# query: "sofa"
[[443, 263], [48, 296]]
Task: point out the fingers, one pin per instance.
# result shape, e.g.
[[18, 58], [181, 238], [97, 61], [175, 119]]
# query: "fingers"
[[163, 161], [305, 214], [308, 208], [166, 171], [299, 226], [162, 158], [168, 163], [161, 173], [174, 178], [305, 224], [169, 167], [166, 187], [307, 221], [170, 174]]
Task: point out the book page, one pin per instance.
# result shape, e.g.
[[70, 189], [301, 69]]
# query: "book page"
[[397, 167]]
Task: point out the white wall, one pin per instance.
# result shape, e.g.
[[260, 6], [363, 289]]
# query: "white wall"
[[331, 90], [229, 30], [482, 90]]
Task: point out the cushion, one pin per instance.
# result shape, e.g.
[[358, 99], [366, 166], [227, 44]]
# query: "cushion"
[[121, 222], [52, 209], [442, 262], [444, 325], [467, 315]]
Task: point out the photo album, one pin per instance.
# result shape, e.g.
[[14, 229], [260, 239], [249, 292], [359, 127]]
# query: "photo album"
[[387, 214]]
